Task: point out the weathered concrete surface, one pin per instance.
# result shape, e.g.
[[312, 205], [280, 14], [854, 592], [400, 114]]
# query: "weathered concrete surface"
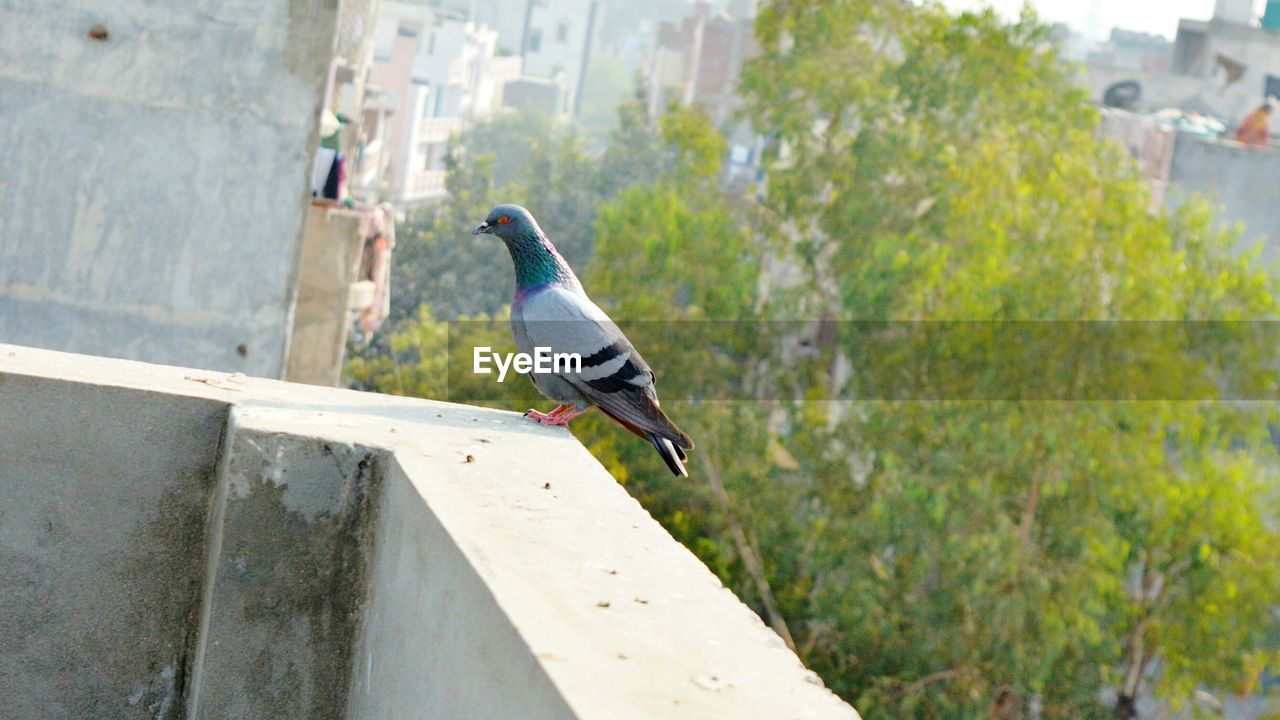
[[623, 621], [331, 251], [429, 601], [293, 521], [1239, 179], [364, 556], [156, 179], [103, 497]]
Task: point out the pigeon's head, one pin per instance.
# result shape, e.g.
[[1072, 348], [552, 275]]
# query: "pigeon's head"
[[510, 223]]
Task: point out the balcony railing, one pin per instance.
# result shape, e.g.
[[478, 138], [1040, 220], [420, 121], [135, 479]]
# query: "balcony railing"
[[438, 129], [426, 185]]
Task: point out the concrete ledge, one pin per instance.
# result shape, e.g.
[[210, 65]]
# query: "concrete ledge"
[[182, 543]]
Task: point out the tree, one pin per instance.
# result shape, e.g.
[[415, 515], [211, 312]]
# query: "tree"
[[929, 550], [527, 159], [679, 250], [978, 558]]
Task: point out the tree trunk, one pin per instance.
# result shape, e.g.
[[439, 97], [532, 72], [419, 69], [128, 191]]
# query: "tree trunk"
[[1035, 707], [747, 551], [1126, 707], [1127, 704]]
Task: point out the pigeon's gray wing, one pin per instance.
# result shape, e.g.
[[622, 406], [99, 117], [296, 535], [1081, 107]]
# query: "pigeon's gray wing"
[[564, 321], [613, 375]]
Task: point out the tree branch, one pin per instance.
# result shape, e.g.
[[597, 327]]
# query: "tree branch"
[[750, 558], [1029, 509], [940, 676]]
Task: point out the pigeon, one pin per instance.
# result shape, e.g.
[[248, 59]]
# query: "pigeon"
[[552, 311]]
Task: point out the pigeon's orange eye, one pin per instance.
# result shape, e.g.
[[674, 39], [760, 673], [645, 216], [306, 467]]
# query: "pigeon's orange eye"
[[504, 220]]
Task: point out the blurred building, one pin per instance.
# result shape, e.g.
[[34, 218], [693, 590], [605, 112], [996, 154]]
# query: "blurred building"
[[1129, 50], [343, 280], [559, 37], [560, 40], [1179, 121], [535, 95], [555, 38], [433, 72], [1223, 67], [507, 17], [630, 30], [1071, 44], [698, 60], [1239, 180]]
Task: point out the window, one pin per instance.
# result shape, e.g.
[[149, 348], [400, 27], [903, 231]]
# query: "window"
[[384, 39], [406, 31], [562, 32], [431, 44], [535, 40]]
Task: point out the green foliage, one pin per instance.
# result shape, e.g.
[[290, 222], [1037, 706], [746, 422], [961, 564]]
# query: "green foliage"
[[516, 158], [983, 556], [940, 558], [651, 236], [413, 362]]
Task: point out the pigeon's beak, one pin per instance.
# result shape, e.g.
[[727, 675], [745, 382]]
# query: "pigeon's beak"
[[482, 229]]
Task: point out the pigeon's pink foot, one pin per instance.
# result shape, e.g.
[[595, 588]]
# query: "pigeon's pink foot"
[[545, 418], [557, 417], [550, 418]]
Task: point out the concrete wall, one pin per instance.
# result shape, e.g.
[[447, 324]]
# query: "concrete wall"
[[1241, 181], [1160, 90], [103, 545], [331, 253], [505, 16], [1256, 49], [191, 544], [156, 177]]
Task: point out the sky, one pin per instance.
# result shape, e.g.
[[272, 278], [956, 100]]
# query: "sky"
[[1096, 17]]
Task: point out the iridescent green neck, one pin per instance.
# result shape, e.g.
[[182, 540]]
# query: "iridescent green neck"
[[537, 262]]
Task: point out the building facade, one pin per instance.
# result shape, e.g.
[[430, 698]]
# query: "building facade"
[[434, 71], [559, 38], [1224, 67], [698, 59]]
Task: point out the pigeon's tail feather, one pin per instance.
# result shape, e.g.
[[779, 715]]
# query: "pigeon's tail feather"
[[639, 412], [670, 454]]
